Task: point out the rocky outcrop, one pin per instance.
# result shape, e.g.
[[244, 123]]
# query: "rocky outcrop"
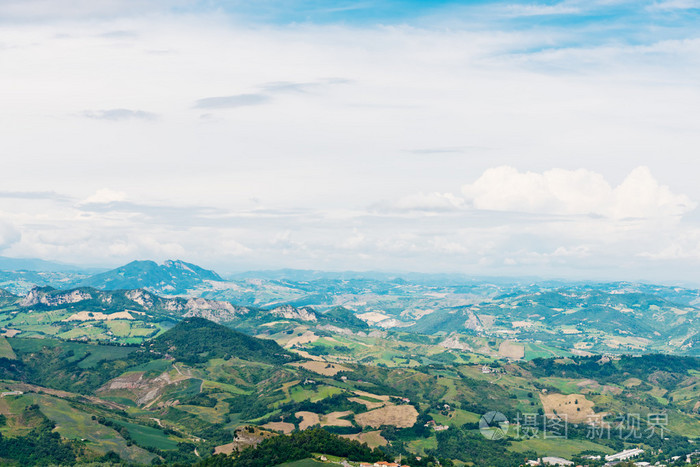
[[290, 312], [473, 322], [213, 310], [138, 301], [453, 342], [43, 296], [140, 296]]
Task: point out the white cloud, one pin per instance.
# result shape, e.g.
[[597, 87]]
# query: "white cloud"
[[580, 251], [9, 235], [81, 9], [671, 5], [563, 8], [354, 241], [104, 196], [575, 192]]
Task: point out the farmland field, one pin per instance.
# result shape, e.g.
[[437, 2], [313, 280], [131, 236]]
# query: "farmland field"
[[6, 349]]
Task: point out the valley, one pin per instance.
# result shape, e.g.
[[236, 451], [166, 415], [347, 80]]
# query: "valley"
[[143, 378]]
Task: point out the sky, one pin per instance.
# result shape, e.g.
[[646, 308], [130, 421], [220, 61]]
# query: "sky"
[[558, 139]]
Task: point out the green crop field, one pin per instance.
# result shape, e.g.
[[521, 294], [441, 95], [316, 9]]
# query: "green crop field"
[[105, 353], [72, 423], [154, 367], [558, 447], [148, 436], [6, 349], [209, 414], [422, 444], [533, 351], [305, 463], [456, 418], [299, 394]]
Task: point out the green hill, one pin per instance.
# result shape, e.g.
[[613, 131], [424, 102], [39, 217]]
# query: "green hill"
[[7, 298], [195, 340], [5, 294], [342, 317]]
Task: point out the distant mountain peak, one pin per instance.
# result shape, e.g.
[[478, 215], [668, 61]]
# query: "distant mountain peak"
[[171, 277]]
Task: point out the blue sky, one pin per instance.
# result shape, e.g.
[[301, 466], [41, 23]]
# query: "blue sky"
[[508, 12], [517, 138], [584, 22]]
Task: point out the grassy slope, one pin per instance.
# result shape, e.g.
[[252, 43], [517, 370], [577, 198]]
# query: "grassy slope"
[[6, 349]]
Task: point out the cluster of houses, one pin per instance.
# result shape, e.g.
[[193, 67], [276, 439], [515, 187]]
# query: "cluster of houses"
[[435, 426], [612, 459], [382, 464]]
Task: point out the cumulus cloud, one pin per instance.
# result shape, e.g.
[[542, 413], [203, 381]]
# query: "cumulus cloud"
[[575, 192], [119, 114]]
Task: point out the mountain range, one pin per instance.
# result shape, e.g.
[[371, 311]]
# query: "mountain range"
[[172, 277], [577, 316]]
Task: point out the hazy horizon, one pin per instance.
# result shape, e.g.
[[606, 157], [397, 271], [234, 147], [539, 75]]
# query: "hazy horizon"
[[231, 272]]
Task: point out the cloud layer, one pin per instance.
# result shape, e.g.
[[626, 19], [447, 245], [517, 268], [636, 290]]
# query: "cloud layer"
[[487, 138]]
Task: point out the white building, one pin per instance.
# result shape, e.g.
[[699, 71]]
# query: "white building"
[[556, 461], [624, 455]]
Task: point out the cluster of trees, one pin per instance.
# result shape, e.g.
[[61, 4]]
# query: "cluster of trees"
[[418, 430], [297, 446], [472, 447], [614, 371], [344, 318], [41, 446], [334, 403], [183, 454], [201, 400]]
